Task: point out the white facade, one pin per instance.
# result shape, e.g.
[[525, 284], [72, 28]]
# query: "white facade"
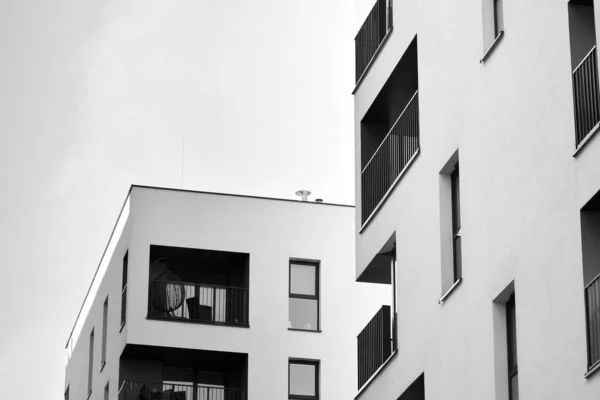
[[509, 121], [271, 232]]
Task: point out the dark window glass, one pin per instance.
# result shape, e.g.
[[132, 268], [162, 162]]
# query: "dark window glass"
[[91, 362], [104, 330], [124, 290], [304, 296], [303, 379], [106, 392], [498, 18], [456, 225], [511, 334], [67, 393]]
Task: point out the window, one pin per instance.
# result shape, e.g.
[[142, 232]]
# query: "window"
[[67, 393], [511, 335], [303, 381], [124, 290], [498, 18], [304, 296], [456, 237], [106, 392], [493, 25], [91, 363], [104, 332], [450, 227]]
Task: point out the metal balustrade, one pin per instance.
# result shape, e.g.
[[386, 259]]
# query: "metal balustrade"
[[592, 308], [586, 96], [198, 302], [371, 35], [132, 390], [375, 344], [391, 158]]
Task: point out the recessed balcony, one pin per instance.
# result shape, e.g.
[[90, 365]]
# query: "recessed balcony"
[[371, 36], [195, 285], [376, 344]]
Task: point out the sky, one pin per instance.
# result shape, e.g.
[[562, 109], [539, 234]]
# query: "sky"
[[239, 96]]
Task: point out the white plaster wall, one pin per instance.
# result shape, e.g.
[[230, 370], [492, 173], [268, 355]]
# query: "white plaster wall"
[[521, 193], [272, 232], [76, 376]]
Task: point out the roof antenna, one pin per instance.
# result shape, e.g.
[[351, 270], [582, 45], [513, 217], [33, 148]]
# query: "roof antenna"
[[304, 194], [182, 147]]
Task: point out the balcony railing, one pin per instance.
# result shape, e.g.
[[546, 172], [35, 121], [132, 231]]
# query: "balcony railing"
[[371, 35], [592, 305], [131, 390], [198, 302], [375, 345], [391, 158], [586, 96]]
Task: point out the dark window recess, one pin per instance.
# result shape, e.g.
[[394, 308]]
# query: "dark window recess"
[[456, 226], [67, 393], [590, 246], [124, 289], [498, 18], [91, 363], [371, 35], [375, 344], [198, 285], [304, 296], [303, 383], [389, 133], [104, 330], [584, 64], [106, 391], [511, 334]]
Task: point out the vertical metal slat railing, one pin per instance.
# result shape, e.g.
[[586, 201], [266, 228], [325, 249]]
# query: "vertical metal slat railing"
[[374, 345], [586, 96], [592, 306], [133, 390], [371, 35], [391, 157]]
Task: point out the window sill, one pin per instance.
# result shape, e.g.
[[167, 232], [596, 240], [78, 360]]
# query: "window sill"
[[592, 370], [586, 139], [304, 330], [121, 327], [450, 291], [492, 47], [376, 374], [102, 366]]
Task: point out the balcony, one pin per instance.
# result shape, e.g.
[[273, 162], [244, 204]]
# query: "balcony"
[[132, 390], [390, 159], [592, 308], [197, 285], [586, 97], [371, 35], [375, 345], [198, 303]]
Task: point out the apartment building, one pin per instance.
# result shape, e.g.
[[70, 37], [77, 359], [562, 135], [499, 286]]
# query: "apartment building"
[[206, 296], [478, 199]]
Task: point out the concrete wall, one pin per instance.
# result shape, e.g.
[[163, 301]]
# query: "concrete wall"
[[272, 232], [511, 118], [76, 376]]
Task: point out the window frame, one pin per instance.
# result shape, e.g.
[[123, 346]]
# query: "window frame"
[[456, 221], [124, 290], [104, 333], [304, 361], [511, 333], [316, 296]]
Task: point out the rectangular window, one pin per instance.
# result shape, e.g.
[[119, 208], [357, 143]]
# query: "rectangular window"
[[303, 383], [106, 392], [498, 18], [124, 290], [104, 331], [511, 335], [456, 233], [304, 296], [91, 362]]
